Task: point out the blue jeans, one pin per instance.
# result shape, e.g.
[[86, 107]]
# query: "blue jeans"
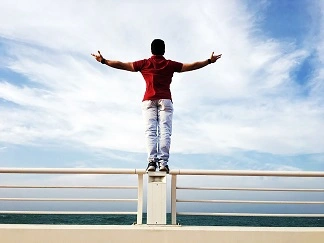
[[158, 128]]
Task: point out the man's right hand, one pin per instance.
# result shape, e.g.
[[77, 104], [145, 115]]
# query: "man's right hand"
[[99, 57]]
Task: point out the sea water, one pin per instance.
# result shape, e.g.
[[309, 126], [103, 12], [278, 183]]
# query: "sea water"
[[259, 221]]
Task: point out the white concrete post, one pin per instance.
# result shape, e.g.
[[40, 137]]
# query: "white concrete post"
[[156, 198], [140, 199], [174, 199]]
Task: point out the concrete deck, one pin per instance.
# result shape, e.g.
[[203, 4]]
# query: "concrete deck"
[[157, 234]]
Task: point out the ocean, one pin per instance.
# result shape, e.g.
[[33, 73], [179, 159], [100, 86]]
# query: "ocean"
[[184, 220]]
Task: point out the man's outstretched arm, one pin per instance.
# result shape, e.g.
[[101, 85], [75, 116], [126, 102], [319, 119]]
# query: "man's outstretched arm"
[[128, 66], [196, 65]]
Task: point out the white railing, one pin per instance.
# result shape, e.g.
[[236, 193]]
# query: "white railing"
[[174, 190], [295, 174], [62, 171]]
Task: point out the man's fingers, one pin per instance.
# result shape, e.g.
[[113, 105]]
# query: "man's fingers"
[[212, 54], [94, 55], [99, 53]]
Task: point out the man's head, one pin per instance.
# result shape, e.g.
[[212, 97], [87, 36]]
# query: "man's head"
[[157, 47]]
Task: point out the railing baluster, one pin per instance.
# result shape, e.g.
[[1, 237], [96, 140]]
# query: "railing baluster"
[[140, 199], [173, 199]]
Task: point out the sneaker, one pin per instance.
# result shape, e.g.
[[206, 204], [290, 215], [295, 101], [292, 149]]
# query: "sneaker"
[[164, 168], [151, 167]]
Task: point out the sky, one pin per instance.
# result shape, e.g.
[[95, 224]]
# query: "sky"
[[260, 107]]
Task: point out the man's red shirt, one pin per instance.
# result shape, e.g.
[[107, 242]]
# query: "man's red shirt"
[[158, 73]]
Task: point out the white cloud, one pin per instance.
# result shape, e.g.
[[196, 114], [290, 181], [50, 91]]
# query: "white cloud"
[[247, 100]]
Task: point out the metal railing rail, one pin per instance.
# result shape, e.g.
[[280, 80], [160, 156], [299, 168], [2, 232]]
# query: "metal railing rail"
[[89, 171], [71, 187], [249, 173], [251, 189], [297, 174], [77, 171]]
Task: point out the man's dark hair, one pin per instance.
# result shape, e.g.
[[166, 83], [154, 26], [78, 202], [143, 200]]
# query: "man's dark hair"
[[158, 47]]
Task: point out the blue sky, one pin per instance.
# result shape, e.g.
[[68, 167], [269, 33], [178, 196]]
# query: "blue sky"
[[260, 107]]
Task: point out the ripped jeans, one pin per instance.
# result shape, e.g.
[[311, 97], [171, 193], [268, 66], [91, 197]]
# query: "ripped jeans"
[[157, 116]]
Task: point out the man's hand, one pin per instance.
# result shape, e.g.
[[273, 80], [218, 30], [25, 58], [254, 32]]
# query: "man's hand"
[[196, 65], [214, 58], [128, 66], [99, 57]]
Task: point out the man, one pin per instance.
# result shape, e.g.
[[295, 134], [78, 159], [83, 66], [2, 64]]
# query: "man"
[[157, 103]]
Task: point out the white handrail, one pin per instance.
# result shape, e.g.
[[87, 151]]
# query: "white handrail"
[[250, 201], [174, 174], [68, 212], [70, 171], [77, 171], [251, 189], [68, 199], [249, 173], [68, 187], [308, 215]]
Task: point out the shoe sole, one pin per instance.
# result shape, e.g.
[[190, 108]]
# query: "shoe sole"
[[151, 168], [164, 170]]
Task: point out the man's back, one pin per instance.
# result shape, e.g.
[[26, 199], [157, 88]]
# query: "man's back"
[[158, 73]]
